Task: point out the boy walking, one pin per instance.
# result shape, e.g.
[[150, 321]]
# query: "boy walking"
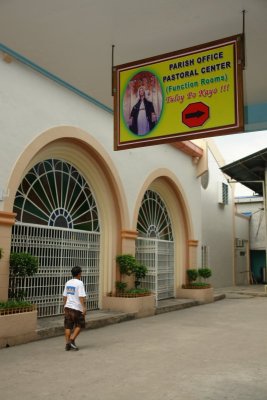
[[74, 308]]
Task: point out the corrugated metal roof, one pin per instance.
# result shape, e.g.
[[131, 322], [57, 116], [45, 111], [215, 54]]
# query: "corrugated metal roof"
[[250, 170]]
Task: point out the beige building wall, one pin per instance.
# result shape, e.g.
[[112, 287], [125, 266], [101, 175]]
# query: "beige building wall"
[[242, 254], [217, 220], [51, 121]]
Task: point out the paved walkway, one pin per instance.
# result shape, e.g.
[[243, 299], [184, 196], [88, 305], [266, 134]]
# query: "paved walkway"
[[53, 326], [249, 290], [212, 352]]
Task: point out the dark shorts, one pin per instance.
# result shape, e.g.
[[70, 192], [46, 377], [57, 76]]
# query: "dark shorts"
[[73, 318]]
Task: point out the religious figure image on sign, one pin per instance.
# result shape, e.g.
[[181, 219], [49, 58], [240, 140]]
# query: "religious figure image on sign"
[[142, 103]]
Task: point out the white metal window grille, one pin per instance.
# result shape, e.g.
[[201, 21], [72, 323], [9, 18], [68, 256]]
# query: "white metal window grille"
[[58, 250], [158, 256], [57, 221], [223, 193], [155, 247], [153, 219], [54, 193]]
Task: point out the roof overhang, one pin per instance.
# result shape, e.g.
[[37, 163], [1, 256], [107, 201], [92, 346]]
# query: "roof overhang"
[[188, 148], [250, 170]]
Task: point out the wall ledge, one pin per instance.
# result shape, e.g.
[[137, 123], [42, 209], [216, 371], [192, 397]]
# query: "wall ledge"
[[188, 148]]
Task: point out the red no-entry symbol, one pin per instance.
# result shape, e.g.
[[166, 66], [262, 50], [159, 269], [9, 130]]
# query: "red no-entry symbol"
[[195, 114]]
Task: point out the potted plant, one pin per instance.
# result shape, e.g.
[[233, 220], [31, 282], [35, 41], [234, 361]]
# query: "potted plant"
[[192, 275], [18, 318], [22, 265], [197, 287], [205, 273], [129, 266], [120, 287], [126, 263], [136, 299], [15, 306], [139, 271], [195, 278]]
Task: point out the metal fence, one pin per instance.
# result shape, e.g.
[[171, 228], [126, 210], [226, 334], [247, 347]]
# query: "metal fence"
[[58, 250], [158, 256]]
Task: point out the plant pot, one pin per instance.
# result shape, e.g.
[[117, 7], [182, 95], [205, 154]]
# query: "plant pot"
[[18, 327], [202, 295], [192, 286], [132, 295], [17, 310], [141, 306]]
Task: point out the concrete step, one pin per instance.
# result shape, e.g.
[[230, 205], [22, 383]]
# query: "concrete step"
[[169, 305], [53, 326], [179, 304]]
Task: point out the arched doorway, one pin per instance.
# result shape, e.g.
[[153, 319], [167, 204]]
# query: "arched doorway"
[[155, 245], [57, 221]]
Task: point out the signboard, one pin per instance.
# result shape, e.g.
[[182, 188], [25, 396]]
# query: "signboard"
[[189, 94]]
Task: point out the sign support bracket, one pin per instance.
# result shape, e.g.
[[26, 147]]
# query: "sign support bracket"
[[113, 70], [243, 50]]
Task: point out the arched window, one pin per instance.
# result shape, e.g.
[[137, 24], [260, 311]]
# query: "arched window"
[[54, 193], [153, 218], [57, 221], [155, 246]]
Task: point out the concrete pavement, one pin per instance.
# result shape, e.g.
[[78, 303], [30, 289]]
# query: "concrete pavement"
[[53, 326], [210, 352]]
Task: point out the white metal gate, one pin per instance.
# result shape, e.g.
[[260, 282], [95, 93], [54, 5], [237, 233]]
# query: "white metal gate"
[[158, 256], [58, 250]]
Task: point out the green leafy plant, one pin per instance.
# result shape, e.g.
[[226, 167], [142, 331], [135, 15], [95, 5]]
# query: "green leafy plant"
[[14, 304], [21, 266], [121, 286], [128, 265], [192, 275], [195, 275], [204, 273], [199, 285], [1, 252], [139, 271]]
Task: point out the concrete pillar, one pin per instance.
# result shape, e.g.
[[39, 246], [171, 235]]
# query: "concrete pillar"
[[128, 246], [193, 248], [7, 220], [128, 241]]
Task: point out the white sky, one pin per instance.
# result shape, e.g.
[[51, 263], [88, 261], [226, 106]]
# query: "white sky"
[[236, 146]]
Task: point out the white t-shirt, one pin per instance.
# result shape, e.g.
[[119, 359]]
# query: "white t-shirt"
[[74, 289]]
